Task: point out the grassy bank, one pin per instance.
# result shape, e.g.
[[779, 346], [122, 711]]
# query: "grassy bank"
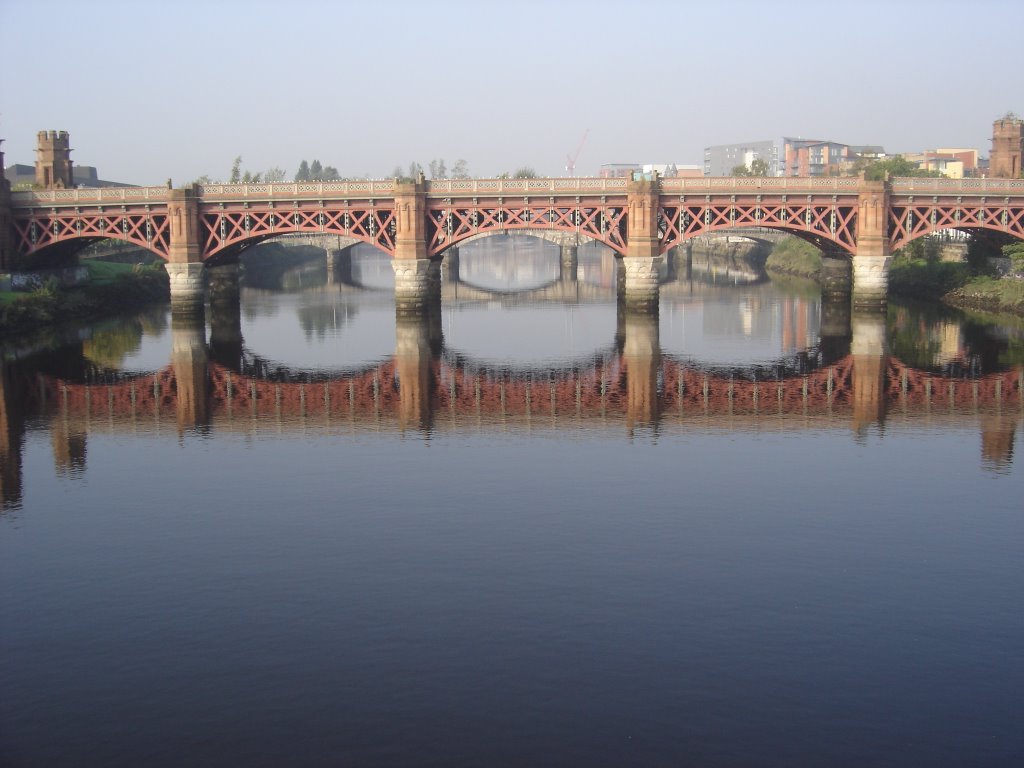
[[793, 256], [112, 289], [956, 285]]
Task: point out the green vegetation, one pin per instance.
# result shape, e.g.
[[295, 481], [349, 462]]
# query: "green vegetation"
[[113, 288], [879, 170], [757, 167], [793, 256]]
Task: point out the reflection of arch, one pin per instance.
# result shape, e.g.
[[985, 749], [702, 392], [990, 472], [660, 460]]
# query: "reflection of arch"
[[598, 389], [557, 237]]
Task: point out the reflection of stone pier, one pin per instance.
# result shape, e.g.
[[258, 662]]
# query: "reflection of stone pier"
[[12, 437], [188, 358], [641, 355], [414, 358], [870, 352]]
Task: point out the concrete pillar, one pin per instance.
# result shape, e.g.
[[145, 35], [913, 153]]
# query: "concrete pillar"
[[339, 266], [872, 259], [641, 355], [642, 259], [870, 351], [191, 373], [568, 263], [414, 359], [836, 277], [184, 258], [450, 265]]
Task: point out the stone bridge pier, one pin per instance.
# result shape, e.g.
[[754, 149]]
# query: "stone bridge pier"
[[642, 260], [339, 266], [417, 277], [873, 257], [568, 263], [184, 258]]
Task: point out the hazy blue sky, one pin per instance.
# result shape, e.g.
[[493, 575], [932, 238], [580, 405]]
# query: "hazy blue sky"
[[151, 90]]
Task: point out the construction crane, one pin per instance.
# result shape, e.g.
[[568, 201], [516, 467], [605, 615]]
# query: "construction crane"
[[570, 160]]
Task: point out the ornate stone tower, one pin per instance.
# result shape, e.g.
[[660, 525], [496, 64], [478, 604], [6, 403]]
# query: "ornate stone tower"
[[1007, 147], [53, 161]]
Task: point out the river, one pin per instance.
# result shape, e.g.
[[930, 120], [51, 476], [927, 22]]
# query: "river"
[[526, 529]]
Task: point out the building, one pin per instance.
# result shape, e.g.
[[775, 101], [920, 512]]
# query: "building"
[[23, 176], [720, 160], [1007, 147], [817, 157], [617, 170]]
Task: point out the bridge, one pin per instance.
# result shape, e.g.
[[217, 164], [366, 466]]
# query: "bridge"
[[852, 220]]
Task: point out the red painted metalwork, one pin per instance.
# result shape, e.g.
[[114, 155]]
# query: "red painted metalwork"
[[914, 216], [451, 221], [39, 229], [822, 219], [225, 225]]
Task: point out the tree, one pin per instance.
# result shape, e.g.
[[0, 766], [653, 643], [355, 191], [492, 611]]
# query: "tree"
[[274, 174], [329, 173], [525, 172], [415, 169], [236, 171], [758, 167], [460, 170], [316, 171], [898, 165], [396, 172], [303, 173], [438, 169]]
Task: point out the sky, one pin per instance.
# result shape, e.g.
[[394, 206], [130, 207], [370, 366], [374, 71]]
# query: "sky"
[[153, 90]]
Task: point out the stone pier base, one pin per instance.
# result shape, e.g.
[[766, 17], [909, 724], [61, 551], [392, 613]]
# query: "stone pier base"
[[188, 286], [417, 284], [450, 265], [870, 281], [836, 277], [640, 283]]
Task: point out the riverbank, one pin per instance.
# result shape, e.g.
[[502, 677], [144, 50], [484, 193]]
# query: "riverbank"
[[952, 283], [111, 290]]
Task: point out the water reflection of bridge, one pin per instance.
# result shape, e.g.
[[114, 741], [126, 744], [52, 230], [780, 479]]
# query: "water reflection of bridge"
[[421, 388]]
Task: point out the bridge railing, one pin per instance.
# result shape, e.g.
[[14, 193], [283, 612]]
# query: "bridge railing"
[[957, 186], [709, 184], [91, 195], [313, 189], [525, 186]]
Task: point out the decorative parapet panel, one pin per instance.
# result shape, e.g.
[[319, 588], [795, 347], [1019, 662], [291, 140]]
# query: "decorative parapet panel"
[[755, 184], [480, 187], [92, 196], [301, 189], [957, 186]]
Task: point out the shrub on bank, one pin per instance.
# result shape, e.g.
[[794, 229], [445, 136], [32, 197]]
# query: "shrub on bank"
[[793, 256], [120, 289]]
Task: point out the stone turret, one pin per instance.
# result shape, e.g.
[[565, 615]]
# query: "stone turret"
[[1007, 147], [53, 160]]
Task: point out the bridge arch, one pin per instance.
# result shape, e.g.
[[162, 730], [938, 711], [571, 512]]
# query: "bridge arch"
[[227, 227]]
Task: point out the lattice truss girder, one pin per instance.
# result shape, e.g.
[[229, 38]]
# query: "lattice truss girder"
[[449, 222], [373, 224], [825, 220], [143, 228], [910, 219]]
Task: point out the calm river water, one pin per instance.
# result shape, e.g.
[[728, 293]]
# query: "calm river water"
[[526, 530]]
